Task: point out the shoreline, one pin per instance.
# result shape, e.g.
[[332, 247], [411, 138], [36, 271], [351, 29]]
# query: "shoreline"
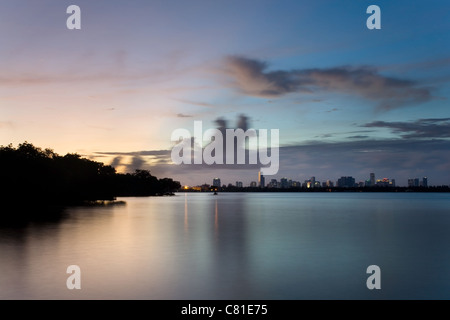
[[443, 189]]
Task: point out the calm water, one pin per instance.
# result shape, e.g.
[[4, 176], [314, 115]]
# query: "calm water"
[[236, 246]]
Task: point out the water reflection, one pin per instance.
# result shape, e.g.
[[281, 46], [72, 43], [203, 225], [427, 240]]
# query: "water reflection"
[[216, 220], [234, 246], [230, 252], [186, 221]]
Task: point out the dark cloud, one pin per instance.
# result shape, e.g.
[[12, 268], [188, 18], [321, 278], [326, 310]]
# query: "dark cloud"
[[116, 161], [252, 77], [138, 158], [136, 163], [243, 122], [358, 137], [422, 128]]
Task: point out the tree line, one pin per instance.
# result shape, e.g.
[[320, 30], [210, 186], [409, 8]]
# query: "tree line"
[[29, 174]]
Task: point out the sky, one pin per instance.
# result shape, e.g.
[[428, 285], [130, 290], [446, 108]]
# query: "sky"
[[347, 101]]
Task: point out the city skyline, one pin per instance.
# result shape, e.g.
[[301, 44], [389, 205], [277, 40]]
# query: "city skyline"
[[286, 182], [344, 98]]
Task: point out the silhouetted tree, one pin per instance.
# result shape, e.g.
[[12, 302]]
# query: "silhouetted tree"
[[31, 175]]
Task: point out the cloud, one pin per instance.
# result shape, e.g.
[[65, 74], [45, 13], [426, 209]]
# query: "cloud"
[[252, 77], [422, 128], [196, 103], [325, 135], [138, 153], [181, 115], [131, 161], [136, 163], [116, 161]]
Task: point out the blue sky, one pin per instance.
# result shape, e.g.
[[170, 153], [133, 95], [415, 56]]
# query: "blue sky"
[[137, 70]]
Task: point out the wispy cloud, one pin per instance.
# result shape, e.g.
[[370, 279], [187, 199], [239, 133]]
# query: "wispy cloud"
[[138, 153], [359, 137], [422, 128], [252, 77], [196, 103], [182, 115]]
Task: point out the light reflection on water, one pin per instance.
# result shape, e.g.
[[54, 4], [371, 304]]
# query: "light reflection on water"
[[236, 246]]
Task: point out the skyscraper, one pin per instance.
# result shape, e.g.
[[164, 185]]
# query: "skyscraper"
[[261, 180], [372, 179], [425, 182], [216, 182]]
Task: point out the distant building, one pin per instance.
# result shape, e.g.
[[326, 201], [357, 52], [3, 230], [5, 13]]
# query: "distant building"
[[253, 184], [307, 184], [261, 180], [425, 182], [216, 182], [296, 184], [415, 182], [273, 183], [346, 182], [311, 183], [383, 182], [239, 184], [284, 183], [372, 180], [330, 184]]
